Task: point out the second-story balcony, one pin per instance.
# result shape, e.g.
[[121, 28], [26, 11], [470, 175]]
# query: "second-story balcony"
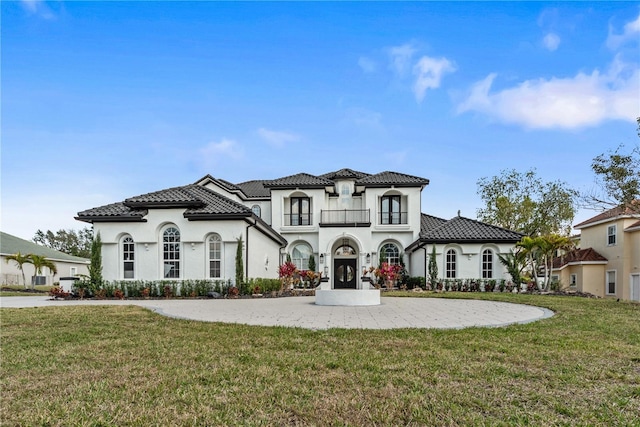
[[345, 218]]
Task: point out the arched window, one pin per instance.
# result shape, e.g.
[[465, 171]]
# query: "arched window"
[[390, 253], [450, 265], [128, 257], [487, 264], [171, 253], [215, 256], [256, 210], [300, 256]]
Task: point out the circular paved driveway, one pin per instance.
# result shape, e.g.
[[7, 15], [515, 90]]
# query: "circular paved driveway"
[[394, 312]]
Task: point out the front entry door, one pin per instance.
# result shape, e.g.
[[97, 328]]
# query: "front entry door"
[[344, 274]]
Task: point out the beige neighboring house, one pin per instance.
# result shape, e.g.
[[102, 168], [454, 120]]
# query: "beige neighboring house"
[[608, 262], [67, 265]]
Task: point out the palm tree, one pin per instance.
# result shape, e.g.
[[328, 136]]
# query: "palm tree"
[[531, 250], [514, 262], [548, 246], [39, 262], [20, 259]]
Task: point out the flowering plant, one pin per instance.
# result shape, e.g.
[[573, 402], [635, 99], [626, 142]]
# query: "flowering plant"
[[388, 272], [288, 274]]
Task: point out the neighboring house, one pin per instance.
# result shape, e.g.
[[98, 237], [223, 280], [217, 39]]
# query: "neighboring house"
[[348, 220], [66, 265], [608, 263], [465, 248]]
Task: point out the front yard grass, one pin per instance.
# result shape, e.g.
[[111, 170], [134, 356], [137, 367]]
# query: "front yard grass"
[[19, 290], [124, 365]]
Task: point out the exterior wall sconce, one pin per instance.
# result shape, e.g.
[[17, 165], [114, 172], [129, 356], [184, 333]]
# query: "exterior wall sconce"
[[368, 258], [321, 258]]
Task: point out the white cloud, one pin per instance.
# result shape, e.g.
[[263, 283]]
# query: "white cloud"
[[37, 7], [215, 152], [569, 103], [277, 138], [631, 31], [400, 57], [551, 41], [367, 64], [429, 72]]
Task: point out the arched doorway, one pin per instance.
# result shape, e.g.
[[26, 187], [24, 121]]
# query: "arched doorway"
[[345, 265]]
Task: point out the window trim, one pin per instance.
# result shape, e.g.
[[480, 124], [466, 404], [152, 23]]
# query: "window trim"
[[214, 238], [573, 280], [451, 259], [612, 238], [487, 272], [257, 210], [125, 242], [607, 283], [178, 250]]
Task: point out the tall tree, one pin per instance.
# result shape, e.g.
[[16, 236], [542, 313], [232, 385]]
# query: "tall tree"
[[39, 262], [95, 267], [433, 269], [523, 202], [239, 263], [72, 242], [617, 180], [20, 260]]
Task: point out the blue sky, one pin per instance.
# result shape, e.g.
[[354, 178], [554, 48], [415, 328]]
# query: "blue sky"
[[106, 100]]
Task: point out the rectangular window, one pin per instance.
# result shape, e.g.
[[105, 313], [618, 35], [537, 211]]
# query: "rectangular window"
[[573, 280], [611, 235], [300, 211], [73, 271], [390, 210], [611, 282], [214, 269], [128, 269]]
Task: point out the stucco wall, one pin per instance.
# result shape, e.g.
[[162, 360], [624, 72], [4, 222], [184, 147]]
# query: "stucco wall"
[[194, 249]]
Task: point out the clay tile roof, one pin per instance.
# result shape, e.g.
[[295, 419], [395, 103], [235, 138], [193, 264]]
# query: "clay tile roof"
[[213, 204], [344, 174], [254, 188], [199, 202], [303, 180], [176, 197], [610, 215], [429, 222], [392, 178], [461, 230], [112, 212], [578, 256]]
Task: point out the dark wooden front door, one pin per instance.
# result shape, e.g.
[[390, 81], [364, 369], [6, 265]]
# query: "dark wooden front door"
[[344, 274]]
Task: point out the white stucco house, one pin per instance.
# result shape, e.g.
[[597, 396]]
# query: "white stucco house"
[[346, 219]]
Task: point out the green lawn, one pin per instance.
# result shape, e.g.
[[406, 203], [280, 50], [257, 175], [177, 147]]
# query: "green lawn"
[[128, 366], [18, 290]]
